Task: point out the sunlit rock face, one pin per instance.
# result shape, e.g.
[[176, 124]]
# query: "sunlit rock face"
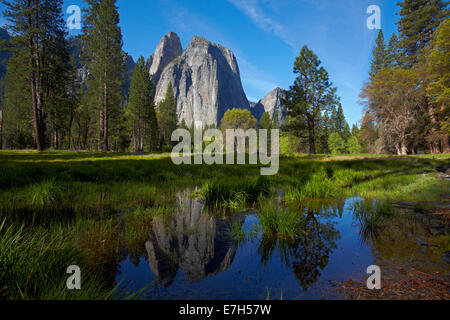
[[167, 50], [206, 83], [192, 241], [271, 104]]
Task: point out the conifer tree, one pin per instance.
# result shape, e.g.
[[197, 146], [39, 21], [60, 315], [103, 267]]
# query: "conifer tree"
[[418, 20], [106, 65], [393, 54], [265, 122], [141, 109], [276, 121], [167, 116], [311, 94], [38, 32], [379, 56]]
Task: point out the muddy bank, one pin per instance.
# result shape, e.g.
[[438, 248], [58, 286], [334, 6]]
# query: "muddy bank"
[[398, 283]]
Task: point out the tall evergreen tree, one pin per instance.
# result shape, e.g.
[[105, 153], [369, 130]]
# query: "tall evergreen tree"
[[379, 56], [311, 94], [393, 52], [17, 118], [337, 120], [74, 90], [38, 28], [167, 116], [438, 86], [141, 109], [105, 63], [265, 122], [276, 121], [418, 20]]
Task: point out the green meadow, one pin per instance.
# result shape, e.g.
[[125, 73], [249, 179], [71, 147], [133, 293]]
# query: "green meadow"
[[61, 208]]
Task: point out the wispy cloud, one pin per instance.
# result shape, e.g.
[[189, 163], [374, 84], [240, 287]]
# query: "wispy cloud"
[[252, 10]]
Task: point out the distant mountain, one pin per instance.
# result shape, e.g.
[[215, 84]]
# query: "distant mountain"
[[167, 50], [77, 45], [271, 104], [206, 81], [4, 55]]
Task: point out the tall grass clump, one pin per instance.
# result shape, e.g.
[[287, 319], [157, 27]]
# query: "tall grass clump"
[[227, 194], [34, 263], [281, 222], [318, 186], [45, 194]]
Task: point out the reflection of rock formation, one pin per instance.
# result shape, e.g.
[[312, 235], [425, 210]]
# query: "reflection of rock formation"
[[193, 241]]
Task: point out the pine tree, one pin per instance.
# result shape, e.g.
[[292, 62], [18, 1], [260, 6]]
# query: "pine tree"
[[265, 122], [38, 28], [276, 121], [337, 120], [167, 116], [393, 53], [311, 94], [17, 118], [141, 109], [418, 20], [438, 86], [336, 144], [106, 65], [379, 56], [74, 90]]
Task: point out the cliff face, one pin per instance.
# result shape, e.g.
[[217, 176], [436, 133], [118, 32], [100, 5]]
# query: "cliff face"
[[206, 82], [167, 50], [271, 104]]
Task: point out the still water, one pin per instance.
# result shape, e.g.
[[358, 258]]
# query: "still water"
[[195, 256]]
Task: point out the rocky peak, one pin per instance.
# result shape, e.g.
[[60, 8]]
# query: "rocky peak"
[[167, 50], [271, 103], [206, 83]]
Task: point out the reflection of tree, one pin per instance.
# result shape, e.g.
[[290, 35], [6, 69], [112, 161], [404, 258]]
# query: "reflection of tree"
[[308, 255], [193, 240]]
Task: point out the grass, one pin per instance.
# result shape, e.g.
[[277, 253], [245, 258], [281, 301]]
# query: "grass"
[[64, 208], [234, 195], [33, 266], [281, 222]]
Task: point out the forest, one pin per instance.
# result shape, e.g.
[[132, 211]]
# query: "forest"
[[47, 103]]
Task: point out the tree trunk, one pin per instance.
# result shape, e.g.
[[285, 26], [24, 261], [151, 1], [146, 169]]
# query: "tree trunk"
[[35, 82], [445, 137], [434, 145], [104, 147], [312, 142], [446, 144]]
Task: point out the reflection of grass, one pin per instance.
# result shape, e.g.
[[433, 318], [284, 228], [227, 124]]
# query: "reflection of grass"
[[237, 233], [372, 217]]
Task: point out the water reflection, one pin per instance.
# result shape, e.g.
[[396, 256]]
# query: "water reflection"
[[191, 254], [193, 241], [307, 255]]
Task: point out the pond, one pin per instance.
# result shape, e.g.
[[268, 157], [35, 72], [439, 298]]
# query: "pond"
[[195, 254]]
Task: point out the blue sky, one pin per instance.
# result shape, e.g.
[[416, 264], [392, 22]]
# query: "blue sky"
[[266, 36]]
